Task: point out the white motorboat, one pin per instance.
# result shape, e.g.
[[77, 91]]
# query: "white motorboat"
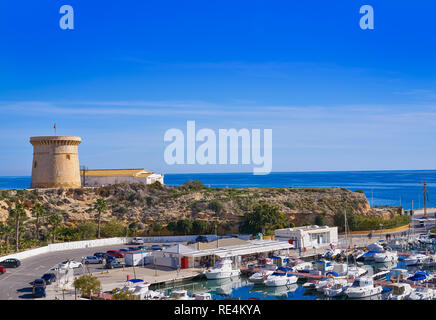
[[302, 266], [373, 248], [398, 291], [277, 279], [336, 289], [425, 239], [362, 287], [416, 259], [422, 294], [180, 295], [203, 296], [221, 270], [387, 256], [260, 276], [329, 282], [430, 262]]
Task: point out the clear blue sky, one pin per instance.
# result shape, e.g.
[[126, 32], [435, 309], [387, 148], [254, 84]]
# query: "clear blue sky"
[[337, 97]]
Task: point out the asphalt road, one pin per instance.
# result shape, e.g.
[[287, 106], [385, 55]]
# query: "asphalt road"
[[16, 283]]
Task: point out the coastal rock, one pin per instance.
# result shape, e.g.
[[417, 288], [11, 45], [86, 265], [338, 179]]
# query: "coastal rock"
[[146, 203]]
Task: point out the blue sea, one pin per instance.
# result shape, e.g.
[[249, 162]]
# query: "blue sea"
[[392, 188]]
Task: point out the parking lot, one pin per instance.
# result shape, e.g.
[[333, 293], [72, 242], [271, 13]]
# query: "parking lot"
[[17, 283]]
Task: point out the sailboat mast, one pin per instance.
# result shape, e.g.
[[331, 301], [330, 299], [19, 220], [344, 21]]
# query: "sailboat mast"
[[346, 234]]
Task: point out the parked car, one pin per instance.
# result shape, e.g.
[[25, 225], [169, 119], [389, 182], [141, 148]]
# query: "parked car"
[[137, 240], [133, 248], [123, 250], [38, 292], [142, 247], [2, 270], [115, 254], [49, 278], [108, 257], [156, 247], [70, 264], [201, 239], [38, 283], [114, 264], [99, 254], [10, 263], [92, 259]]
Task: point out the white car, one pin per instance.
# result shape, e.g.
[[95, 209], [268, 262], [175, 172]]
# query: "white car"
[[70, 265], [137, 240]]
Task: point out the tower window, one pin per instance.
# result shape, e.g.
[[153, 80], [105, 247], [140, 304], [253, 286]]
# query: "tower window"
[[34, 165], [68, 157]]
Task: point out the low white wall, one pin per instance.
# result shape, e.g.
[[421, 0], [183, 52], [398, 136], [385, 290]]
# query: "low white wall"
[[210, 237], [102, 242], [66, 246]]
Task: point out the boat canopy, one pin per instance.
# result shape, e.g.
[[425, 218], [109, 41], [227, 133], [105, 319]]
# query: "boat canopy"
[[420, 275], [135, 280]]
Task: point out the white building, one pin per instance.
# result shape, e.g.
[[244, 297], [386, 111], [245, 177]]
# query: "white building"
[[103, 177], [308, 236], [137, 258]]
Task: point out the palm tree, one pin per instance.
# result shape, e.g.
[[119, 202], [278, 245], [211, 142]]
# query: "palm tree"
[[17, 216], [55, 220], [5, 232], [39, 212], [100, 206]]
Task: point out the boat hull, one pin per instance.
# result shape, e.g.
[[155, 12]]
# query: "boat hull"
[[213, 275]]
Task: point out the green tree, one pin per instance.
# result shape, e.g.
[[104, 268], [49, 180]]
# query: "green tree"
[[262, 217], [184, 226], [55, 220], [87, 230], [157, 227], [199, 227], [123, 294], [113, 228], [101, 207], [87, 285], [172, 226], [39, 213], [17, 216], [133, 228], [320, 220], [6, 232]]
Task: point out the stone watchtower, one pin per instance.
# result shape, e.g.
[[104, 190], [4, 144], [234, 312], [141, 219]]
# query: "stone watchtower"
[[55, 162]]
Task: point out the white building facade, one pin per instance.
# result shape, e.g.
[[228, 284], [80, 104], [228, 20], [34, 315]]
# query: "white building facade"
[[104, 177], [308, 236]]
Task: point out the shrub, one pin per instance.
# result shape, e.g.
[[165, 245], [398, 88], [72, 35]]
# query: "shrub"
[[184, 226], [264, 215], [290, 205], [87, 284], [320, 220], [216, 206], [194, 185], [199, 227], [113, 228]]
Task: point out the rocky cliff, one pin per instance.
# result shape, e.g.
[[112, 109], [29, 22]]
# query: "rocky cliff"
[[149, 203]]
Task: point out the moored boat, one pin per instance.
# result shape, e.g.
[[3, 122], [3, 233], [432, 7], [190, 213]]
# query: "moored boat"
[[221, 270], [362, 287]]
